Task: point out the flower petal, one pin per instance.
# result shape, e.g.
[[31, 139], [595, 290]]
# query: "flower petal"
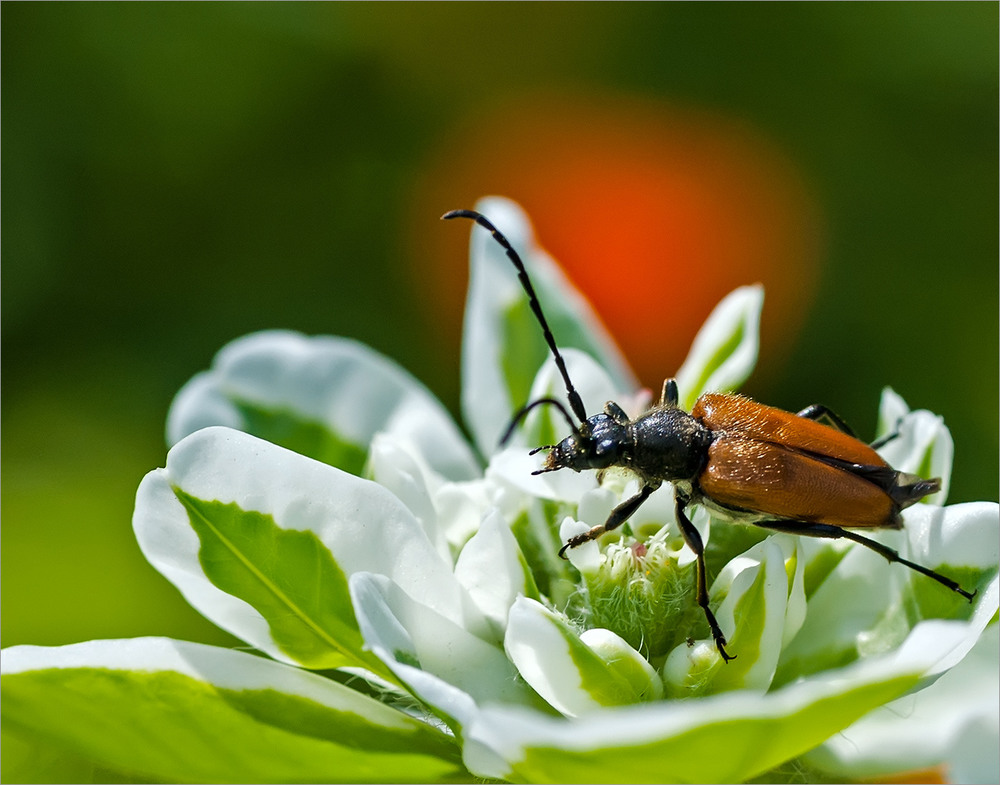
[[402, 631], [568, 673], [493, 570], [503, 344], [461, 506], [544, 425], [725, 350], [450, 512], [402, 470], [844, 623], [795, 613], [925, 729], [728, 737], [175, 711], [625, 662], [324, 397], [586, 557], [261, 540], [512, 469], [752, 616]]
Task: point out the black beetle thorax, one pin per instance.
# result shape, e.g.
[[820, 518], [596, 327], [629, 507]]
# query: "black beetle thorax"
[[668, 444]]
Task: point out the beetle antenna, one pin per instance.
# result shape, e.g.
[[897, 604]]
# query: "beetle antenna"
[[575, 402], [527, 408]]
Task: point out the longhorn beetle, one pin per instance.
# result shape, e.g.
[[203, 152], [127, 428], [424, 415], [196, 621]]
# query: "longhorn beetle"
[[745, 461]]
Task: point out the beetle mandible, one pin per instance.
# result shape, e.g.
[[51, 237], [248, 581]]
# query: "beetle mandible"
[[746, 462]]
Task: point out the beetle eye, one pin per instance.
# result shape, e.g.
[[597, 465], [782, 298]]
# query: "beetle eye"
[[604, 447], [603, 454]]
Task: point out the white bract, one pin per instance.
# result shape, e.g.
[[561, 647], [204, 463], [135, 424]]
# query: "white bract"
[[319, 503]]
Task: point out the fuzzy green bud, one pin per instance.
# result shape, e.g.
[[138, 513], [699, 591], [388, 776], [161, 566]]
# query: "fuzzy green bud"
[[641, 593]]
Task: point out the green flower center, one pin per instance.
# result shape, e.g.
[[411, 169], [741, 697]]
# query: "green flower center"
[[641, 593]]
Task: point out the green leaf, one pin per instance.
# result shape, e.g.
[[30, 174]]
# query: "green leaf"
[[525, 349], [168, 721], [951, 723], [539, 541], [625, 662], [844, 623], [757, 611], [290, 577], [728, 737], [31, 759]]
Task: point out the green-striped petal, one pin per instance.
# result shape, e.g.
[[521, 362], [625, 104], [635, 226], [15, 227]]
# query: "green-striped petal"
[[725, 350], [434, 657], [503, 346], [262, 540], [572, 676], [323, 397], [729, 737], [844, 623]]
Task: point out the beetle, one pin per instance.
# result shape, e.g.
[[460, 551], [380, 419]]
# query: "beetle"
[[744, 461]]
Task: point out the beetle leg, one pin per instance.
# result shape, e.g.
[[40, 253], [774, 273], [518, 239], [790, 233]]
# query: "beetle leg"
[[669, 395], [618, 516], [884, 440], [835, 533], [818, 411], [616, 413], [694, 542]]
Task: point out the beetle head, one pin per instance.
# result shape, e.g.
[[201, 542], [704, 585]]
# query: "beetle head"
[[598, 443]]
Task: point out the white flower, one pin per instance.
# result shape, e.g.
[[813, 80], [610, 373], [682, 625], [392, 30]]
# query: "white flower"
[[319, 504]]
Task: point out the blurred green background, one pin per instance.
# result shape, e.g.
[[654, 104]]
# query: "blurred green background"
[[178, 175]]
